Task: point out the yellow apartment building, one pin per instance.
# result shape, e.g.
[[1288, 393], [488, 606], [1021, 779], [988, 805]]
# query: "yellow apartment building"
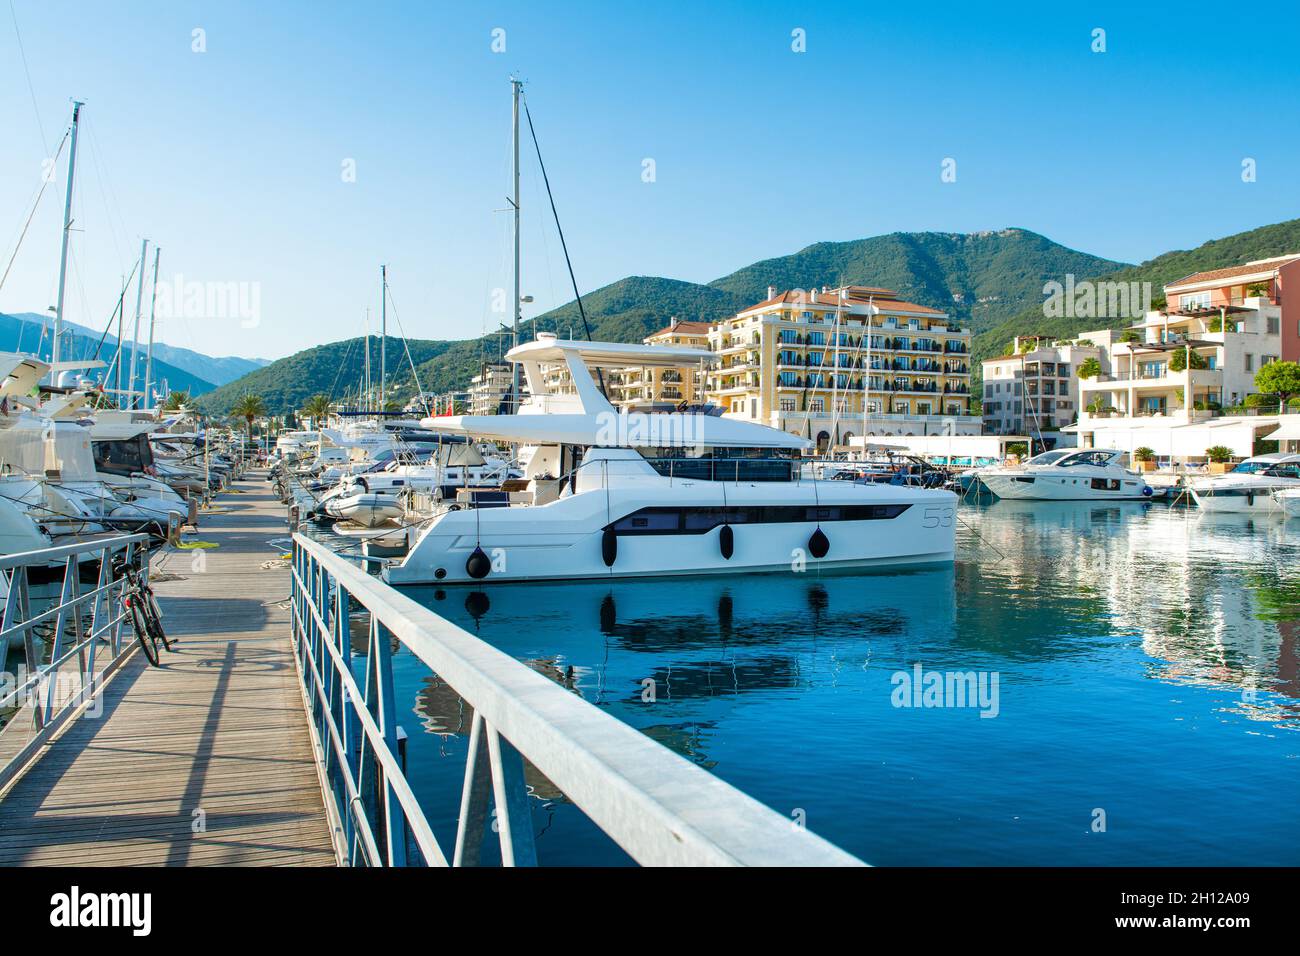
[[831, 364]]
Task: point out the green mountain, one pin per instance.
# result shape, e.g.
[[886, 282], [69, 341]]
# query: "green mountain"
[[1262, 243], [979, 278], [335, 369], [991, 281], [630, 309]]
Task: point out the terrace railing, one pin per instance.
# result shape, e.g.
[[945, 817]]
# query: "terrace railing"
[[68, 644], [658, 807]]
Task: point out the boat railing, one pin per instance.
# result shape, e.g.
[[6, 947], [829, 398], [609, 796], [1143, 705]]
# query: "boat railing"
[[660, 808], [69, 646]]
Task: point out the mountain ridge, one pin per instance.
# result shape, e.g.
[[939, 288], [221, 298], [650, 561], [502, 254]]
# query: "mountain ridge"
[[206, 371], [992, 280]]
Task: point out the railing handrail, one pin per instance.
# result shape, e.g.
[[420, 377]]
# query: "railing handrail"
[[46, 555], [39, 692], [659, 807]]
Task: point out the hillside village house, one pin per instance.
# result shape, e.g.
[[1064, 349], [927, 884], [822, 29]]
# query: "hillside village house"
[[1199, 354], [805, 362]]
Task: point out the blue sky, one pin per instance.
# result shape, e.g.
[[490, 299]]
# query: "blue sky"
[[232, 159]]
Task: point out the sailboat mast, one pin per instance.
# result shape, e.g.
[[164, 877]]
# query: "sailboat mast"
[[383, 333], [67, 230], [135, 334], [365, 377], [516, 86], [153, 309], [121, 314]]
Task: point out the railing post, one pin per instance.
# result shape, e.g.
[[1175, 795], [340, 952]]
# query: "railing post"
[[514, 818], [473, 798], [379, 700]]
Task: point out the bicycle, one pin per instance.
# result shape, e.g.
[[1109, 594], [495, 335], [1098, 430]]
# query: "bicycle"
[[146, 617]]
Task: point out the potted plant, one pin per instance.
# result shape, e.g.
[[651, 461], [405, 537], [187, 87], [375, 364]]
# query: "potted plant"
[[1146, 458], [1219, 456]]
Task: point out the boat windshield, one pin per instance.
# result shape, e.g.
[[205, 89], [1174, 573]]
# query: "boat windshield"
[[1047, 458], [1255, 466], [1096, 458]]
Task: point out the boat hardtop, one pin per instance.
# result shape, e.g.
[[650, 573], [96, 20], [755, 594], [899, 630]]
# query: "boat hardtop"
[[587, 418]]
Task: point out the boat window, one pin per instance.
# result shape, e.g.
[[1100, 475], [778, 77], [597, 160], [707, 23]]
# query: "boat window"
[[660, 520], [722, 464], [1252, 467], [123, 457], [1098, 458], [1047, 458]]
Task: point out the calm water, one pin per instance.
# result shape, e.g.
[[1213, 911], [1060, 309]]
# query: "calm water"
[[1147, 667]]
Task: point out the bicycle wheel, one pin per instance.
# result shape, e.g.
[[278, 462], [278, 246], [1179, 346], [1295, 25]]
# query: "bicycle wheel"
[[153, 621], [143, 632]]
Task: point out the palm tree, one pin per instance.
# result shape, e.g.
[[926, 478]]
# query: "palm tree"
[[176, 400], [249, 407], [317, 408]]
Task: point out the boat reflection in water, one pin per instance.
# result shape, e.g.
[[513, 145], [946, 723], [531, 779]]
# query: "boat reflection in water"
[[1146, 660]]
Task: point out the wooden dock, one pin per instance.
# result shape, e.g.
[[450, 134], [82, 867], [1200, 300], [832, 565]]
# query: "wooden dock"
[[206, 760]]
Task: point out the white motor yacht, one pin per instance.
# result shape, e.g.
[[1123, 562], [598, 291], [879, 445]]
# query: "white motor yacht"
[[1249, 487], [610, 494], [1088, 474], [1288, 499]]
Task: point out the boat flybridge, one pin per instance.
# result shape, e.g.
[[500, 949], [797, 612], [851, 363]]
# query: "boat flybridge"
[[1070, 474], [609, 493]]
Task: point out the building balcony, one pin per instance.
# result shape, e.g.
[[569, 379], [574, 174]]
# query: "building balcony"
[[1109, 383]]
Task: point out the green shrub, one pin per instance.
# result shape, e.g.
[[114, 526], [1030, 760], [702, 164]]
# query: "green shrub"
[[1178, 360], [1219, 453], [1145, 454]]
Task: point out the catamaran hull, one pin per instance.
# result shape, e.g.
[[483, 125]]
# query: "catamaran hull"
[[921, 534]]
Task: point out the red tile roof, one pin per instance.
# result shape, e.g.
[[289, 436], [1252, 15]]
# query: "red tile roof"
[[683, 328], [885, 299], [1250, 268]]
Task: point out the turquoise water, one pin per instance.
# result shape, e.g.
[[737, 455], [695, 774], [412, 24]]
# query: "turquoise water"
[[1147, 669]]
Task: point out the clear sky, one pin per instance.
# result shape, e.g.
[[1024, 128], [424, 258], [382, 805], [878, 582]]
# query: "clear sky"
[[233, 159]]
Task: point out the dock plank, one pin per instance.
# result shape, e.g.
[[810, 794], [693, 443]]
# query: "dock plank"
[[206, 760]]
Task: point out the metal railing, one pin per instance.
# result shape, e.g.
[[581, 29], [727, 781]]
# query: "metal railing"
[[47, 691], [658, 807]]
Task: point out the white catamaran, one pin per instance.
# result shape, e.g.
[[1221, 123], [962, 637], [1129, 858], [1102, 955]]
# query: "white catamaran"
[[610, 494]]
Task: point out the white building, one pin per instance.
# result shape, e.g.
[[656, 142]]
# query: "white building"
[[1036, 388], [1166, 381], [489, 388]]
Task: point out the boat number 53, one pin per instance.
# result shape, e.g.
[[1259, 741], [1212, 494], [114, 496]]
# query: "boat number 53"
[[937, 518]]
